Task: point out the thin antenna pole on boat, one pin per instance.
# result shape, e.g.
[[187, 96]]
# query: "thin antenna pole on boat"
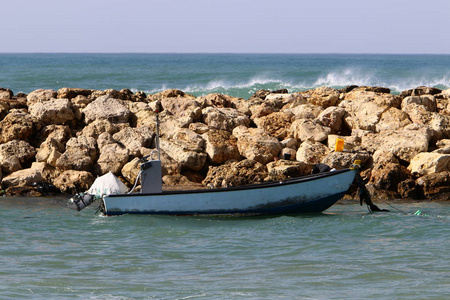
[[157, 135]]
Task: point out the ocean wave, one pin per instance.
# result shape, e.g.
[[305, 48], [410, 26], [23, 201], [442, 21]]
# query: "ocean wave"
[[246, 88]]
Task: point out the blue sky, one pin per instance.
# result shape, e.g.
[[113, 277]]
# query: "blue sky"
[[236, 26]]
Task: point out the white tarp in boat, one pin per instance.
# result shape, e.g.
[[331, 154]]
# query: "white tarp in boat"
[[106, 185]]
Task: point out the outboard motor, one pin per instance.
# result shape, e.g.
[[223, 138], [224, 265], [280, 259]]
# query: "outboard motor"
[[82, 200]]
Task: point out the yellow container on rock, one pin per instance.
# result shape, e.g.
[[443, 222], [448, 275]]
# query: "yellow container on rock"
[[339, 146]]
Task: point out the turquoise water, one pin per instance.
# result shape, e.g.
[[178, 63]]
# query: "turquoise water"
[[49, 251], [234, 74]]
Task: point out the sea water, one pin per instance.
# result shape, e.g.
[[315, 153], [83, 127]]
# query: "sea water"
[[49, 251], [238, 75]]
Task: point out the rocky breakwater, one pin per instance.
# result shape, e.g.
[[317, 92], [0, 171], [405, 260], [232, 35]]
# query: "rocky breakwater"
[[66, 138]]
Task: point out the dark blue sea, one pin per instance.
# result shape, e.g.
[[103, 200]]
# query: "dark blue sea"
[[238, 75], [49, 251]]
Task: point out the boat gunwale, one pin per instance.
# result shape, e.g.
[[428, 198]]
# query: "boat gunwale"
[[271, 184]]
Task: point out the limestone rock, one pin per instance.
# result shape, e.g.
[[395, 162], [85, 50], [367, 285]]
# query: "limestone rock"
[[256, 144], [239, 173], [343, 160], [81, 153], [361, 114], [113, 158], [18, 125], [183, 108], [309, 130], [429, 102], [350, 142], [332, 117], [131, 170], [38, 172], [428, 163], [97, 127], [218, 100], [404, 144], [435, 185], [107, 108], [305, 111], [388, 176], [221, 146], [322, 96], [275, 124], [186, 154], [15, 155], [224, 118], [134, 138], [284, 169], [312, 152], [72, 181], [40, 95], [6, 93], [392, 119], [53, 111]]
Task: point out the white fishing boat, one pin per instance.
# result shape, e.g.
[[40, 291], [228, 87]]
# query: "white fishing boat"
[[307, 194]]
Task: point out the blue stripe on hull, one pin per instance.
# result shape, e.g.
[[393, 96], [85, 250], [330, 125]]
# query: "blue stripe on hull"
[[314, 206]]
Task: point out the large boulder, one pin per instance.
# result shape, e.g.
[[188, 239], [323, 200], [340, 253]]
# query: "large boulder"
[[284, 169], [38, 172], [221, 146], [107, 108], [72, 181], [435, 185], [189, 110], [69, 93], [97, 127], [239, 173], [256, 144], [312, 153], [40, 95], [309, 130], [388, 176], [427, 101], [113, 158], [18, 125], [343, 160], [15, 155], [134, 139], [332, 117], [392, 119], [362, 114], [81, 153], [6, 93], [276, 124], [53, 111], [224, 118], [188, 155], [305, 111], [405, 144], [322, 96], [217, 100], [428, 163]]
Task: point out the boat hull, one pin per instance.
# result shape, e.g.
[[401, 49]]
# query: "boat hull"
[[309, 194]]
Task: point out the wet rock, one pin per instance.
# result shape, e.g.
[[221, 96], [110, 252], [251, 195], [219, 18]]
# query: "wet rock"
[[388, 176], [239, 173], [435, 185], [15, 155], [72, 181], [421, 90], [256, 144]]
